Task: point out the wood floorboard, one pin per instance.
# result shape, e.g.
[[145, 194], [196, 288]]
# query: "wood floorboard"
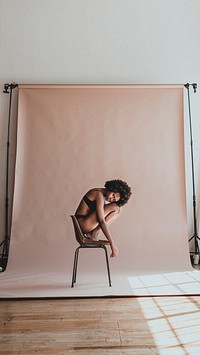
[[137, 326]]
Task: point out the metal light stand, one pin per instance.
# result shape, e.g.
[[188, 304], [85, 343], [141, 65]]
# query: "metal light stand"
[[195, 235], [8, 88]]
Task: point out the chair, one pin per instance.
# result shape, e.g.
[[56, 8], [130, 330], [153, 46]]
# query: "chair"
[[89, 244]]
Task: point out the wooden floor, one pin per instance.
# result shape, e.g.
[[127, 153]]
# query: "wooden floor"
[[138, 326]]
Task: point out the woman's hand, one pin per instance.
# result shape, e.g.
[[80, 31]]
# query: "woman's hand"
[[115, 251]]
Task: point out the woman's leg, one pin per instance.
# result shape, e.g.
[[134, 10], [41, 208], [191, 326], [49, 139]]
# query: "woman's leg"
[[110, 218], [90, 224]]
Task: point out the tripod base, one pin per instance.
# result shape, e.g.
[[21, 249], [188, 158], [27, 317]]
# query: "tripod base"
[[196, 254], [4, 255], [3, 263], [196, 244], [196, 259]]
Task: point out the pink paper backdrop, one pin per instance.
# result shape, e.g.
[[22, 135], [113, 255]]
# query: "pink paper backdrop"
[[73, 138]]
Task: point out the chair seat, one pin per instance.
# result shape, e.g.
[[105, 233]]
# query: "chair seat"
[[95, 242]]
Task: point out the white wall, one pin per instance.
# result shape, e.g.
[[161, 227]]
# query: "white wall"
[[100, 41]]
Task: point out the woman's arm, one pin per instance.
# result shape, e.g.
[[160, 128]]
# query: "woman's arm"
[[103, 224]]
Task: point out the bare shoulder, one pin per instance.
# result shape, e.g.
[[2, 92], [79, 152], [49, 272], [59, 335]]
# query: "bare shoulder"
[[96, 190], [96, 193]]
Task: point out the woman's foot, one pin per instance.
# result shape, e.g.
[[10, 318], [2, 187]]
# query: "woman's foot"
[[87, 236], [95, 238], [92, 236]]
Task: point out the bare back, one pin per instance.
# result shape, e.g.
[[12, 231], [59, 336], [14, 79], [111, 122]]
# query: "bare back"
[[88, 203]]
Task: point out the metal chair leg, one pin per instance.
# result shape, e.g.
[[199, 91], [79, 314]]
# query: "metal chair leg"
[[75, 267], [76, 264], [72, 285], [107, 262]]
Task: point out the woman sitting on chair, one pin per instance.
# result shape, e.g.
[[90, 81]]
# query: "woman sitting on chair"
[[100, 207]]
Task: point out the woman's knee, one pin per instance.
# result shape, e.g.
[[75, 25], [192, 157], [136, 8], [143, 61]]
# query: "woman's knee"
[[114, 207], [118, 209]]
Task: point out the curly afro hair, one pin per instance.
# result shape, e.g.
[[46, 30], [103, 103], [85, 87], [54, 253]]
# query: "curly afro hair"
[[121, 187]]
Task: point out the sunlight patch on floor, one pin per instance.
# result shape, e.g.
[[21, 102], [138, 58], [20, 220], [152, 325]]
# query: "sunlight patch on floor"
[[174, 283], [174, 324]]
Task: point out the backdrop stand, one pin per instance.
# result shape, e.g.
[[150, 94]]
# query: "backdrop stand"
[[195, 235], [8, 88]]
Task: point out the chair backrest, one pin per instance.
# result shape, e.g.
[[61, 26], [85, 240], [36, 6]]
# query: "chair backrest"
[[77, 230]]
